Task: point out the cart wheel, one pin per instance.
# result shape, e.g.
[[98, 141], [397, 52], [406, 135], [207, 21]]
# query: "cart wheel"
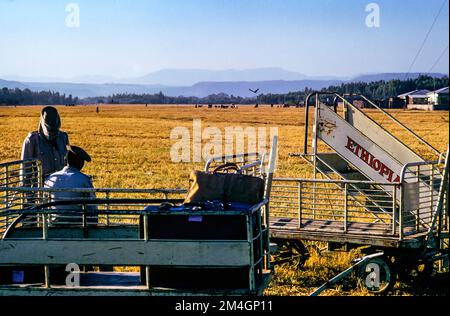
[[377, 275], [419, 272], [291, 251]]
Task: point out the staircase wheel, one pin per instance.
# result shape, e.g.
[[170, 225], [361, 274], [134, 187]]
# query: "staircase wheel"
[[291, 251], [420, 271], [377, 275]]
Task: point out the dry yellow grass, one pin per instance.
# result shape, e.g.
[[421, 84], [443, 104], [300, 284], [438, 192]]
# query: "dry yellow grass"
[[130, 148]]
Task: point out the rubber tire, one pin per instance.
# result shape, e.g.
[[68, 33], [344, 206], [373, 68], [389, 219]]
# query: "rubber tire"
[[291, 251], [405, 273]]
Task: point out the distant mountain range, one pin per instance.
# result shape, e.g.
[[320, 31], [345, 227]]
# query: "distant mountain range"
[[201, 83], [188, 77]]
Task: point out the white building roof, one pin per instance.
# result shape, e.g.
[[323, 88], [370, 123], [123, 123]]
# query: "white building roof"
[[406, 94], [440, 91], [415, 94], [419, 93]]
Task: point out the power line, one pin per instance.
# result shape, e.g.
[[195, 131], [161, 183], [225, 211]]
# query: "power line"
[[438, 60], [425, 39]]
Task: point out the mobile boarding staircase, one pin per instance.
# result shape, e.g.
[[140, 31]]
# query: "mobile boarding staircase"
[[368, 189], [124, 242]]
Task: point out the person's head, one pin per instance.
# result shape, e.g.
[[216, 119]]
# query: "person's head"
[[50, 123], [76, 157]]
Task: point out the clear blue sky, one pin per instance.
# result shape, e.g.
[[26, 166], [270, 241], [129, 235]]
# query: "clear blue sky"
[[127, 38]]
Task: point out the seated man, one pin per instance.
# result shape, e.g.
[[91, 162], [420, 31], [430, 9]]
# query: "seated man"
[[71, 177]]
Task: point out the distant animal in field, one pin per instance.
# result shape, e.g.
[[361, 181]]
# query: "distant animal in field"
[[256, 106], [210, 106], [254, 91]]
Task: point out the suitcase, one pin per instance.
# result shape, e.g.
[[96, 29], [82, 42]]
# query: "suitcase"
[[204, 227]]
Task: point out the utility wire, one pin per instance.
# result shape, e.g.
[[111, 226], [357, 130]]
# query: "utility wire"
[[438, 60], [425, 39]]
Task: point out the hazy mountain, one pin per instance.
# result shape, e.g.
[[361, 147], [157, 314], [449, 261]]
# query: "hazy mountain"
[[94, 79], [91, 90], [241, 88], [187, 77], [204, 88], [11, 84], [201, 89], [82, 90]]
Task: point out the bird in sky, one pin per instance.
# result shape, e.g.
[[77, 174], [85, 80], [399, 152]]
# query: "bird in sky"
[[254, 91]]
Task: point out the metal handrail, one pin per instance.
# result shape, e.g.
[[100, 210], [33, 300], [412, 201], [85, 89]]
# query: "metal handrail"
[[443, 191], [47, 207], [429, 198], [402, 125], [335, 181], [15, 162], [347, 206], [94, 190], [415, 164], [337, 95], [227, 157]]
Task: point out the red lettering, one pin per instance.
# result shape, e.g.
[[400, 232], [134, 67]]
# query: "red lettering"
[[384, 170], [357, 150], [369, 159], [350, 143], [376, 164], [391, 173], [365, 156]]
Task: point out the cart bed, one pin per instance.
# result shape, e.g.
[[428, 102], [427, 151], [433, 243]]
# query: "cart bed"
[[376, 234], [120, 284]]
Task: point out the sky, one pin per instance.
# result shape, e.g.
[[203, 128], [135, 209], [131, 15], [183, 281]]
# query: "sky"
[[130, 38]]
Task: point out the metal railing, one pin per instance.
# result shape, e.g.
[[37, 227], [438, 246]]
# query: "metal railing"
[[421, 182], [249, 164], [335, 206], [21, 188], [347, 103], [389, 209], [82, 231], [14, 176], [403, 126], [106, 210]]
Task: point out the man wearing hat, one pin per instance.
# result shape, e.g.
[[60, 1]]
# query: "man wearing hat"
[[71, 177], [48, 143]]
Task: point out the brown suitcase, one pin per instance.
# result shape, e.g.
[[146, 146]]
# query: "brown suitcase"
[[227, 187]]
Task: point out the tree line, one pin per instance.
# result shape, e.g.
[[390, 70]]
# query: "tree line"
[[27, 97], [376, 91], [160, 98]]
